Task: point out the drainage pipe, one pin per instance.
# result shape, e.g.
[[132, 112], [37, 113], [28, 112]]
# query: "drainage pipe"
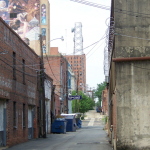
[[130, 59]]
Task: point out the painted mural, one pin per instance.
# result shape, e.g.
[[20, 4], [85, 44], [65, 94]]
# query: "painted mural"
[[26, 21], [43, 32], [43, 14]]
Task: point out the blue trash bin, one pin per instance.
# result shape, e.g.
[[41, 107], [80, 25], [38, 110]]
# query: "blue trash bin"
[[59, 126], [71, 122], [79, 122]]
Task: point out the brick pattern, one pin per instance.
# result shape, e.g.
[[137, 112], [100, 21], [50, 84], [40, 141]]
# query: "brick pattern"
[[55, 64], [16, 90], [78, 65], [105, 101]]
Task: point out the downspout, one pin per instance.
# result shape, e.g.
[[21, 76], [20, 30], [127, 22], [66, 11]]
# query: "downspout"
[[130, 59]]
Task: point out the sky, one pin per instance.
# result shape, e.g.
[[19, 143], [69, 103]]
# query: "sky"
[[63, 16]]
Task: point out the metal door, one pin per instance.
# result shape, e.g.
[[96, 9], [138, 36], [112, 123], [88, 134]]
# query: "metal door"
[[2, 123], [30, 122]]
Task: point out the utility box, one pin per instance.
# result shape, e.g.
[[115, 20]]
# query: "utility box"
[[71, 122], [59, 126]]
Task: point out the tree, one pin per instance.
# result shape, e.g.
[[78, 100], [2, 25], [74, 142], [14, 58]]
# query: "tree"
[[83, 105], [98, 92]]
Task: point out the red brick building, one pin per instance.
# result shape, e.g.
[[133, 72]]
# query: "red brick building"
[[78, 64], [19, 97], [56, 67], [105, 101]]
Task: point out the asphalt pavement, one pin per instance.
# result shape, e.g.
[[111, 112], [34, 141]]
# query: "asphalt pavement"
[[90, 137]]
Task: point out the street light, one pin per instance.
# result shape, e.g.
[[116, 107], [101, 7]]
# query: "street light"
[[62, 38], [44, 46]]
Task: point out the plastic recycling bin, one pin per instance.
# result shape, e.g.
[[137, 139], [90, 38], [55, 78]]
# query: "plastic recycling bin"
[[71, 122], [78, 122], [59, 126]]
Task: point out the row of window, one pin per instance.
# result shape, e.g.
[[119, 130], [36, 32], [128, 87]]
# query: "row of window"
[[75, 57], [77, 65], [76, 62], [14, 68]]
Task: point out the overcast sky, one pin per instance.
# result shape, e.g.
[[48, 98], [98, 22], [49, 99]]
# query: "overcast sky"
[[63, 15]]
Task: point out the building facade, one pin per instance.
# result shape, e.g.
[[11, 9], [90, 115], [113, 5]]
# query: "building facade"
[[57, 68], [105, 101], [71, 86], [48, 88], [129, 75], [19, 97], [78, 65], [29, 19]]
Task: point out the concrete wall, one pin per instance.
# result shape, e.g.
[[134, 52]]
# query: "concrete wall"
[[133, 123], [131, 81]]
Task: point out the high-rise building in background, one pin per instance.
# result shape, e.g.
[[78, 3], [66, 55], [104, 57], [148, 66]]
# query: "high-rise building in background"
[[78, 64], [28, 19], [78, 59]]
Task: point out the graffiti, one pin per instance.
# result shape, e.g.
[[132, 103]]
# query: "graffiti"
[[43, 14], [4, 93], [26, 17], [137, 51], [5, 82]]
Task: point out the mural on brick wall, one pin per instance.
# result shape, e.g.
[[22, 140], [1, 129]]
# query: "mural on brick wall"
[[22, 16], [43, 14], [43, 32]]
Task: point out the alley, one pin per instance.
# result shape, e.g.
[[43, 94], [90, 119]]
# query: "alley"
[[90, 137]]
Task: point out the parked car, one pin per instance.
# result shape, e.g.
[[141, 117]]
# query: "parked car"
[[98, 109]]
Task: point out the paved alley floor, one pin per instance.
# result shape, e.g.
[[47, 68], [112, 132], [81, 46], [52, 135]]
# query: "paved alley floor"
[[90, 137]]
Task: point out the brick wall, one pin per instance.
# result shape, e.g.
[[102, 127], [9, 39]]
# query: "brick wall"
[[105, 101], [18, 86], [57, 68], [78, 65]]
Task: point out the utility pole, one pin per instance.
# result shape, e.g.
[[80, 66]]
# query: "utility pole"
[[42, 92]]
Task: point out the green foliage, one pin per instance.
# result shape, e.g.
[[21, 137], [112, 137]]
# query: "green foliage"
[[83, 105], [105, 119], [98, 92], [98, 104]]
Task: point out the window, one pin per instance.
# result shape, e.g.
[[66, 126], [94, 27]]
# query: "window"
[[14, 65], [23, 71], [13, 15], [24, 116], [14, 115]]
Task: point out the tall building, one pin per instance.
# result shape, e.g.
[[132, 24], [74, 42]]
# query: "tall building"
[[78, 64], [29, 19]]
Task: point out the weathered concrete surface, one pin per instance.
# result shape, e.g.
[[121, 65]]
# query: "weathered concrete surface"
[[133, 101], [132, 39]]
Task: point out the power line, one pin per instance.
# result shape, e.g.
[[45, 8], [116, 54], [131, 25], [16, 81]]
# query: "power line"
[[96, 44], [94, 51], [18, 69]]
